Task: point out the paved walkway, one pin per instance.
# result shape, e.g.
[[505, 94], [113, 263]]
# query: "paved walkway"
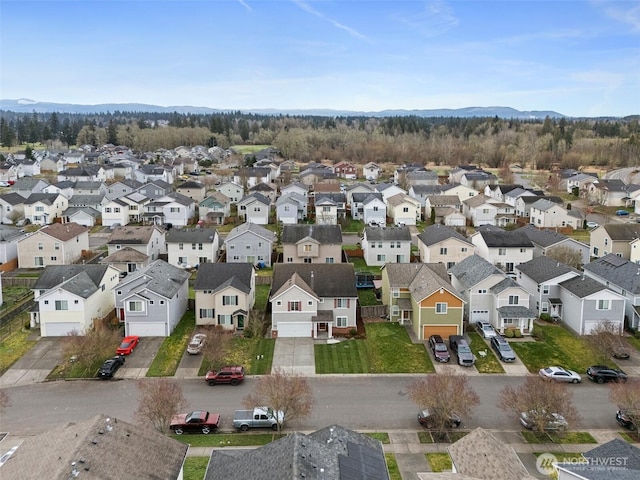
[[295, 355]]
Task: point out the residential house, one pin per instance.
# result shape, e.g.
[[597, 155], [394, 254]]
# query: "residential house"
[[99, 447], [388, 190], [66, 188], [421, 176], [9, 172], [505, 249], [442, 244], [523, 204], [499, 191], [267, 190], [313, 300], [152, 173], [52, 164], [586, 303], [400, 173], [331, 453], [403, 209], [56, 244], [422, 296], [86, 216], [512, 197], [250, 243], [173, 209], [318, 174], [154, 189], [214, 208], [547, 214], [446, 209], [613, 238], [291, 208], [123, 210], [196, 191], [225, 294], [358, 187], [87, 173], [44, 208], [617, 459], [254, 208], [368, 207], [545, 242], [609, 192], [249, 177], [88, 187], [371, 171], [491, 296], [346, 170], [480, 210], [541, 278], [94, 202], [69, 298], [295, 187], [25, 186], [421, 192], [126, 260], [9, 238], [326, 211], [148, 240], [383, 245], [192, 246], [622, 277], [462, 191], [312, 244], [455, 174], [478, 179], [12, 208], [122, 187], [581, 181], [152, 300]]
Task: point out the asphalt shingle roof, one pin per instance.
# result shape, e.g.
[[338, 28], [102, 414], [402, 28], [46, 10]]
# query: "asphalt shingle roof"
[[436, 233], [542, 268], [622, 231], [160, 277], [254, 228], [618, 271], [215, 276], [616, 459], [473, 270], [54, 275], [494, 238], [324, 234], [544, 238], [582, 286], [330, 280], [191, 235], [388, 233]]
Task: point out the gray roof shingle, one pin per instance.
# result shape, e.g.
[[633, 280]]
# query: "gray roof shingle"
[[191, 235], [618, 271], [472, 270], [329, 280], [495, 237], [542, 269], [160, 277], [582, 286], [324, 234], [622, 462], [436, 233], [215, 276], [54, 275], [388, 233]]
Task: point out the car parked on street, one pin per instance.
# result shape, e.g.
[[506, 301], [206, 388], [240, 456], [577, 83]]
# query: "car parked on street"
[[486, 329], [127, 345], [439, 348], [560, 374], [622, 213], [503, 349], [458, 344], [233, 375], [602, 373], [428, 420], [196, 344], [625, 419], [553, 421], [198, 421], [110, 367]]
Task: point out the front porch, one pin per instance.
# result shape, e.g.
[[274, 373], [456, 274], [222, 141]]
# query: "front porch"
[[515, 316]]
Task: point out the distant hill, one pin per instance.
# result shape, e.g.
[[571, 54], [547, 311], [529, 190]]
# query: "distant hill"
[[27, 106]]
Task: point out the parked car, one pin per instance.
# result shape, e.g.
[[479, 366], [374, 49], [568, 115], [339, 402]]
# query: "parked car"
[[602, 373], [439, 348], [625, 419], [196, 344], [560, 374], [592, 225], [554, 421], [460, 347], [428, 419], [110, 367], [128, 344], [621, 351], [503, 349], [373, 223], [233, 374], [622, 213], [5, 184], [259, 417], [486, 329], [194, 422]]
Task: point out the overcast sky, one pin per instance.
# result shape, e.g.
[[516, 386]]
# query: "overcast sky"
[[579, 58]]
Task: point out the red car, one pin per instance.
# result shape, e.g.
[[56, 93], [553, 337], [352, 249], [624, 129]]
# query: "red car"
[[233, 374], [128, 344]]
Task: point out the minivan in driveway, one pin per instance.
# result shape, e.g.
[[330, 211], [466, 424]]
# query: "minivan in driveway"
[[503, 349], [460, 347]]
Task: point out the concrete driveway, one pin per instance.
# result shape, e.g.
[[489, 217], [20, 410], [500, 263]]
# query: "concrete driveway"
[[295, 355], [36, 364], [137, 364]]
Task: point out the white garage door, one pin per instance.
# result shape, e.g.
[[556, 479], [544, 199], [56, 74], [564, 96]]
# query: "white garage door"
[[146, 329], [60, 329], [479, 316], [294, 329]]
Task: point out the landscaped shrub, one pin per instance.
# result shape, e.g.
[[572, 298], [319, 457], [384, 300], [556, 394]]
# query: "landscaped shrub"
[[546, 317], [509, 333], [353, 332], [517, 333]]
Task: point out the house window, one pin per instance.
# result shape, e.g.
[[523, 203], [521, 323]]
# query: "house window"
[[502, 251], [463, 249], [306, 260], [381, 258], [482, 290], [236, 258], [341, 321], [606, 242], [441, 308], [306, 248], [294, 307], [508, 321], [545, 289], [116, 210], [151, 302], [289, 259], [395, 292], [373, 245], [595, 251], [329, 260], [279, 302], [341, 303], [379, 244], [39, 209], [397, 244], [174, 209], [181, 246], [443, 251], [193, 246], [62, 305], [231, 247], [513, 299], [135, 306], [230, 300], [375, 209], [40, 246], [545, 307], [56, 246], [107, 210], [54, 259], [523, 250], [391, 245], [224, 320], [326, 209], [161, 302], [603, 305], [182, 260], [450, 264], [206, 313], [38, 261]]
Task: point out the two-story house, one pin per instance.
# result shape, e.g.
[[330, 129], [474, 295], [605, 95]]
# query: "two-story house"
[[250, 243], [368, 207], [442, 244], [295, 187], [249, 177], [214, 208], [313, 300], [371, 171], [326, 210], [147, 239], [545, 242], [12, 208], [346, 170], [196, 191], [254, 208], [312, 244], [191, 247], [232, 190], [55, 244], [43, 208], [291, 208], [403, 209], [172, 209], [505, 249], [613, 238], [382, 245], [225, 294], [547, 214]]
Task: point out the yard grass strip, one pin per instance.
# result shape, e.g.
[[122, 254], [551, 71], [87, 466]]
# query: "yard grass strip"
[[15, 342], [382, 436], [195, 468], [558, 437], [228, 439], [487, 364], [392, 467], [439, 462], [170, 352]]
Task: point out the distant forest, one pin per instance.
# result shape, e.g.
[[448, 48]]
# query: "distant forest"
[[489, 142]]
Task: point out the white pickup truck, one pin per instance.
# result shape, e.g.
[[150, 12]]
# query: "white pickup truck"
[[259, 417]]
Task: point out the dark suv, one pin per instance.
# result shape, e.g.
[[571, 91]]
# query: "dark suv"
[[460, 347], [439, 349], [503, 349], [602, 373], [625, 419], [233, 375]]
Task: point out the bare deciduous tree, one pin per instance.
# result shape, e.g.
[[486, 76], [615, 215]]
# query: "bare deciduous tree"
[[627, 397], [606, 338], [282, 391], [566, 255], [89, 350], [216, 347], [442, 395], [160, 399], [540, 399]]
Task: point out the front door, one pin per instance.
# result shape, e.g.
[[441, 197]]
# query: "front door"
[[240, 322]]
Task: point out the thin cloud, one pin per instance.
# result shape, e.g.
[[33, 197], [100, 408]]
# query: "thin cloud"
[[617, 11], [245, 5], [437, 18], [351, 31]]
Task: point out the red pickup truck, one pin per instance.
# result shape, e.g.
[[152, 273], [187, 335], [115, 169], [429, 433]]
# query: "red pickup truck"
[[195, 422]]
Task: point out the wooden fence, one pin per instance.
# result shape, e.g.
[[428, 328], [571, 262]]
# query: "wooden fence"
[[374, 311]]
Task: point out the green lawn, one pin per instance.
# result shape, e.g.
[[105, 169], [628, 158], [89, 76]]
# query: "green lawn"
[[195, 468], [558, 437], [488, 364], [14, 342], [392, 466], [382, 436], [170, 352], [245, 149], [262, 297], [439, 462], [634, 341], [387, 349], [367, 297], [360, 265], [350, 225], [228, 439], [556, 346]]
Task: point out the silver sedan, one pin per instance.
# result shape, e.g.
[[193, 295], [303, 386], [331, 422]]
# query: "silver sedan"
[[560, 374]]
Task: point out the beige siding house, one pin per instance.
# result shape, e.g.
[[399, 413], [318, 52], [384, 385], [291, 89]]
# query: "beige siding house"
[[441, 244], [56, 244], [312, 244]]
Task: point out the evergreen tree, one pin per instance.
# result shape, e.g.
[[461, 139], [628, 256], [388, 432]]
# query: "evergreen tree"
[[7, 135], [112, 133]]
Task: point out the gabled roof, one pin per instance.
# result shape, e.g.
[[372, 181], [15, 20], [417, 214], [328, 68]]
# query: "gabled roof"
[[582, 286], [190, 184], [216, 276], [543, 238], [544, 204], [624, 465], [63, 231], [298, 185], [434, 234], [71, 211], [329, 279], [478, 200], [388, 233], [101, 448], [262, 187], [254, 197], [622, 231], [12, 198], [618, 271], [253, 229], [334, 197], [400, 198], [191, 235], [611, 184], [497, 238], [425, 190], [80, 200], [292, 197], [443, 199], [472, 270], [54, 275], [296, 281], [46, 198], [360, 197], [133, 235], [125, 255], [542, 269], [159, 277], [503, 285], [324, 234]]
